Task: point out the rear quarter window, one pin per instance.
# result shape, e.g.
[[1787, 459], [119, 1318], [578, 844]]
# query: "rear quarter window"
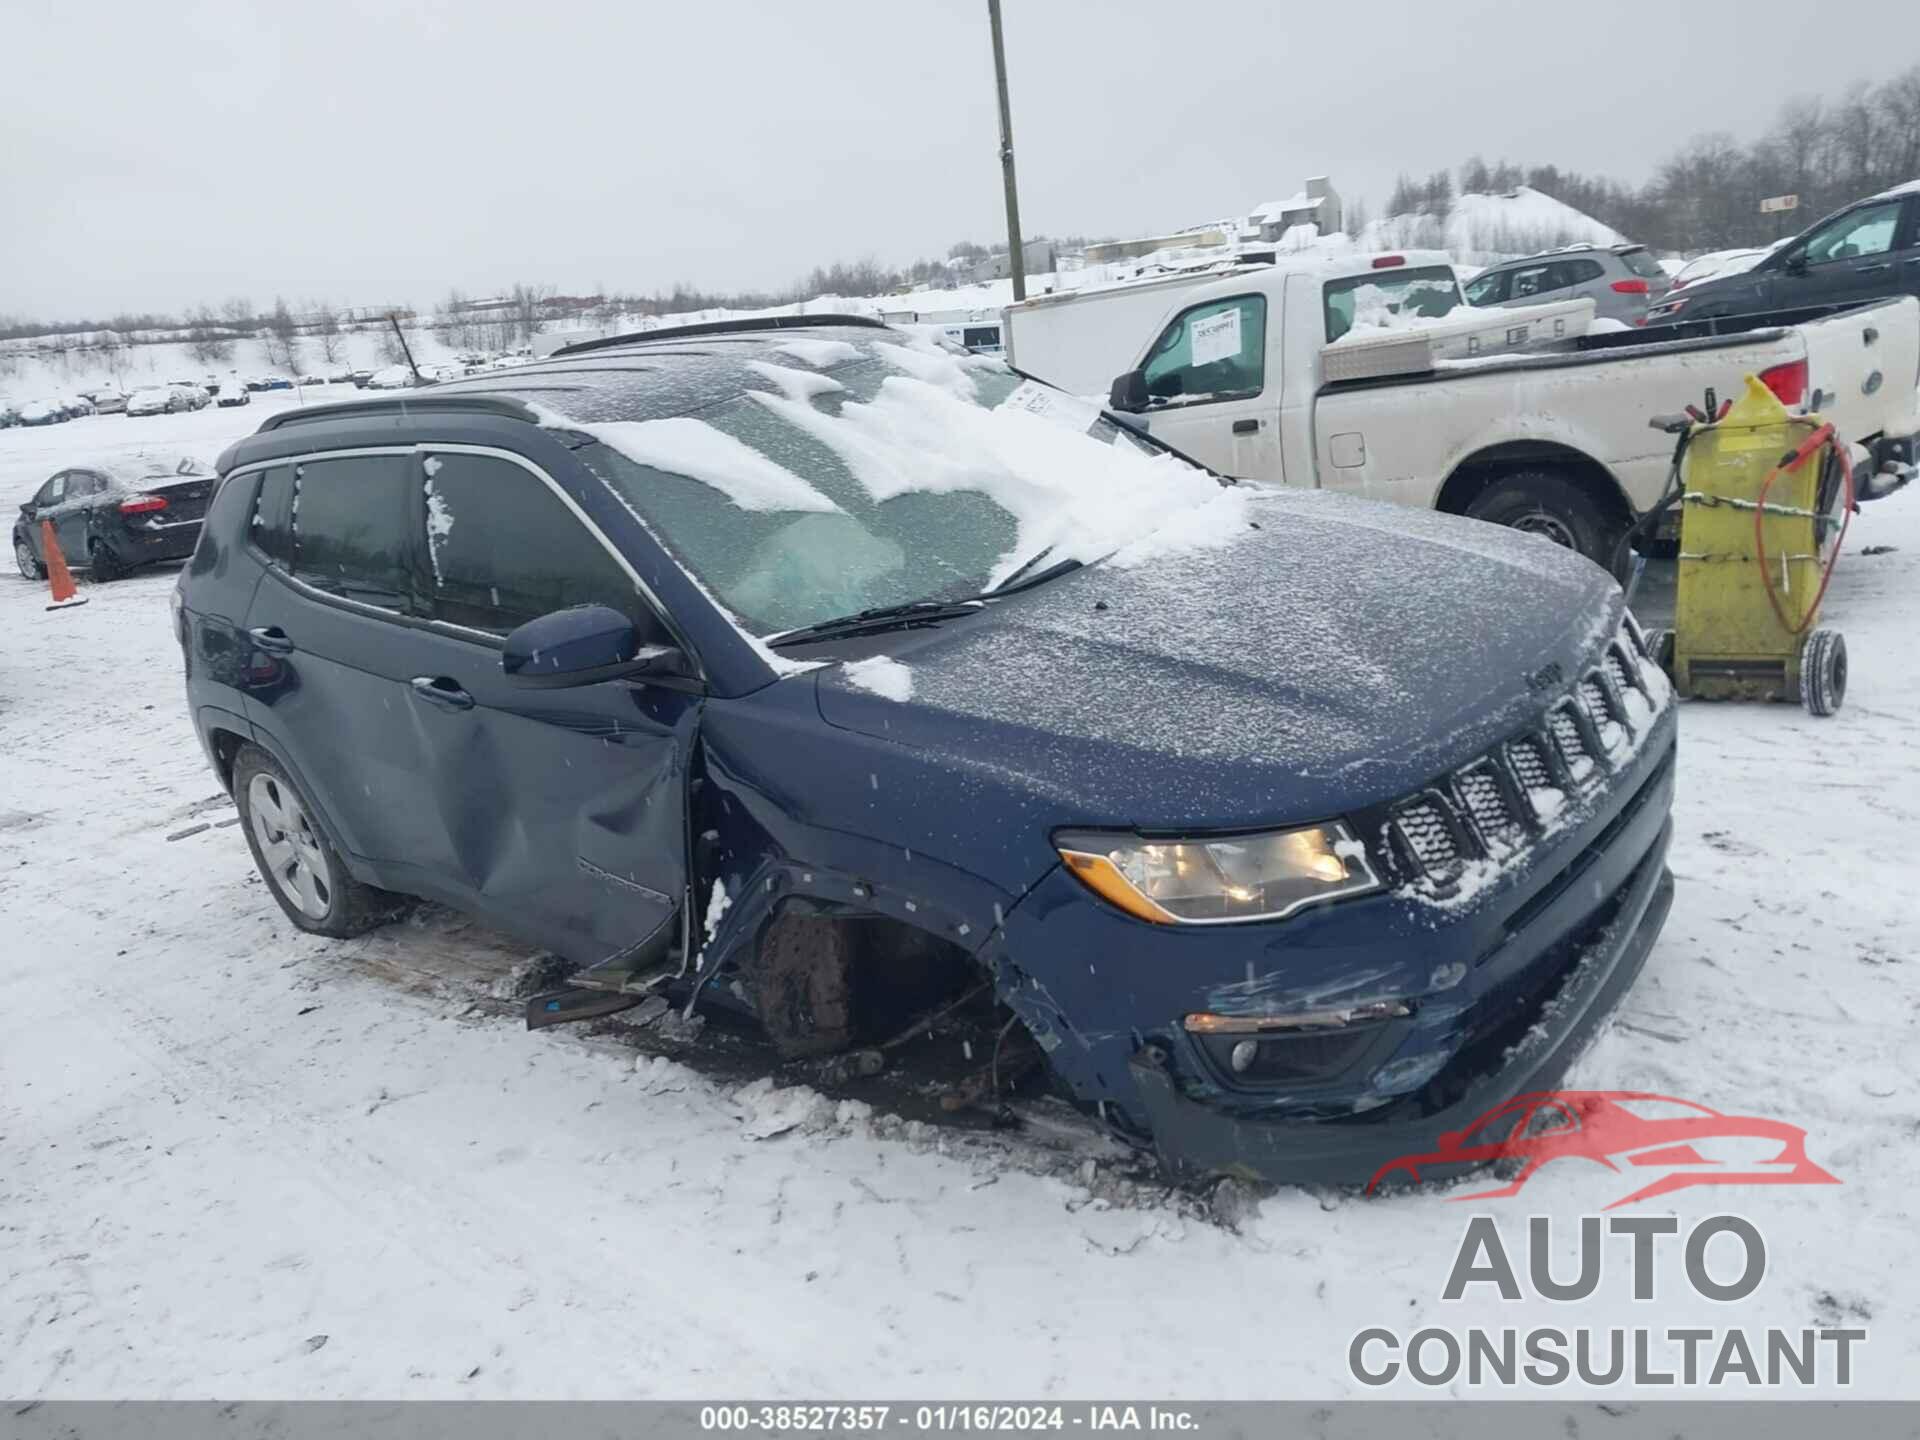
[[1641, 263]]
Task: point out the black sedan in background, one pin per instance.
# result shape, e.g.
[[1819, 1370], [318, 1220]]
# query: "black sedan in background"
[[114, 515]]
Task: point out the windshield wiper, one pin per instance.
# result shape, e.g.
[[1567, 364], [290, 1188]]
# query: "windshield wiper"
[[881, 617], [910, 613], [1014, 582]]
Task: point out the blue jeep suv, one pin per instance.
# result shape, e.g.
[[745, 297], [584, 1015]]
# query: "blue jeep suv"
[[772, 664]]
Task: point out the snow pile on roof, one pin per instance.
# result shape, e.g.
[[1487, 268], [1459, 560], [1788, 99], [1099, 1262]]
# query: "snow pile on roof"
[[1272, 211], [685, 446], [1480, 228]]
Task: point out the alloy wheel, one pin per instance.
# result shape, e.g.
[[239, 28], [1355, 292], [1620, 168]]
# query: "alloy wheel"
[[288, 846]]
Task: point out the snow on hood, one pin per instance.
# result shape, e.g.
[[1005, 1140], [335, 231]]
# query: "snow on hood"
[[1336, 652]]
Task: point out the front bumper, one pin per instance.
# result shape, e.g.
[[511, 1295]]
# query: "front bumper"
[[1191, 1136]]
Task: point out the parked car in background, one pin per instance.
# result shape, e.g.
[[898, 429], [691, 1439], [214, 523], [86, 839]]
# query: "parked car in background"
[[340, 375], [233, 395], [1621, 280], [1275, 920], [1866, 251], [106, 402], [360, 378], [112, 515], [9, 417], [393, 377], [43, 412], [158, 400], [197, 396], [76, 406]]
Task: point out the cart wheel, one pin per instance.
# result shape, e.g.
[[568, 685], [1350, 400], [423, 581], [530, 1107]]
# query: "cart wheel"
[[1660, 649], [1823, 672]]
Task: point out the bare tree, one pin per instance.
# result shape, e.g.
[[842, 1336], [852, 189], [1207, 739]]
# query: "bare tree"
[[280, 337], [207, 341], [326, 331], [524, 312], [388, 346]]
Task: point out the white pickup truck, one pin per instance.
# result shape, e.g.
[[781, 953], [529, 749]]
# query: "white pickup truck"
[[1311, 375]]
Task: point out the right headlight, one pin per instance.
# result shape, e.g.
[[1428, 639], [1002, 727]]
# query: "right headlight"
[[1209, 882]]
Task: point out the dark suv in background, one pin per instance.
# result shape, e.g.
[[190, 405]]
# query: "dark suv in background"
[[1868, 251], [821, 663]]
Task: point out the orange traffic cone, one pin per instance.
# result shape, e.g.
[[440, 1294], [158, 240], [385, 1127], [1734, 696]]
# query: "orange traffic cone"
[[57, 574]]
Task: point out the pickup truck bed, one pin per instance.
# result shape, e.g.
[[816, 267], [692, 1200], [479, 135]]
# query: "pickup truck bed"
[[1573, 414]]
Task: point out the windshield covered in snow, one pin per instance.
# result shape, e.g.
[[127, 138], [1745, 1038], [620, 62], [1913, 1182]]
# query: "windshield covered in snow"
[[844, 476], [1388, 299]]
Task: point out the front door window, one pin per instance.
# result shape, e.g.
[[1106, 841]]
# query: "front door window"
[[1216, 351]]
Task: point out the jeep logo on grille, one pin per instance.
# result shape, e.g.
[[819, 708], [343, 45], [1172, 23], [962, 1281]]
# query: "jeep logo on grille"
[[1547, 677]]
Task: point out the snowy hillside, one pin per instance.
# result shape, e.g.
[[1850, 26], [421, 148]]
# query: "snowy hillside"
[[1480, 229]]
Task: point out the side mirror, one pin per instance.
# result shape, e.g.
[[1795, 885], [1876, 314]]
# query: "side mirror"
[[1129, 391], [1795, 262], [582, 646]]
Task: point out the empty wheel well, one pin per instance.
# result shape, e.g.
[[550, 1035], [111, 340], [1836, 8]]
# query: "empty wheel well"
[[1479, 470], [226, 744], [823, 978]]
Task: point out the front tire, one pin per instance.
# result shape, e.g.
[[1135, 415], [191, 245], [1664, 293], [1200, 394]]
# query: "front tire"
[[1549, 504], [295, 858]]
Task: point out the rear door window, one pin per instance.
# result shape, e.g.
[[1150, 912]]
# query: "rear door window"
[[1534, 280], [1211, 352], [1579, 272], [350, 528], [499, 548]]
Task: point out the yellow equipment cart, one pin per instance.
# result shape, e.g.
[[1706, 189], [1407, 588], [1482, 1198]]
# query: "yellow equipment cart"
[[1759, 535]]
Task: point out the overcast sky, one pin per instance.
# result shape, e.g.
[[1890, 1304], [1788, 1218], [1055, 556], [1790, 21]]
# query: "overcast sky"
[[156, 153]]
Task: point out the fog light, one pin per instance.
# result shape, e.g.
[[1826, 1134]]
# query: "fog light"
[[1242, 1056]]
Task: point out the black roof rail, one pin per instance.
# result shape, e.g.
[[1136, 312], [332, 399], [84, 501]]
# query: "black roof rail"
[[471, 404], [718, 327]]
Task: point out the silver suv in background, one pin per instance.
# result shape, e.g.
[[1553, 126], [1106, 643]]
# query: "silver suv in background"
[[1621, 280]]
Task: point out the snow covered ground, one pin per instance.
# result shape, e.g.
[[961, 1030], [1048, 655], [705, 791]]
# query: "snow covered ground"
[[240, 1161]]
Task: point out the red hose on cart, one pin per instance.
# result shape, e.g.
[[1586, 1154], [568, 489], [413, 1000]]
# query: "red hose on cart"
[[1821, 439]]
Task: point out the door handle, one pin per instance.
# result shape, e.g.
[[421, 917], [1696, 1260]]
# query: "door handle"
[[1245, 427], [439, 690], [1873, 269], [272, 639]]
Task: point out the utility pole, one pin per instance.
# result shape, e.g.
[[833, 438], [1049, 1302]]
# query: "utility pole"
[[1015, 258]]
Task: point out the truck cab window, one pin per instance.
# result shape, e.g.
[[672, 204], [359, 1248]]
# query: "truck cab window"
[[1216, 351]]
